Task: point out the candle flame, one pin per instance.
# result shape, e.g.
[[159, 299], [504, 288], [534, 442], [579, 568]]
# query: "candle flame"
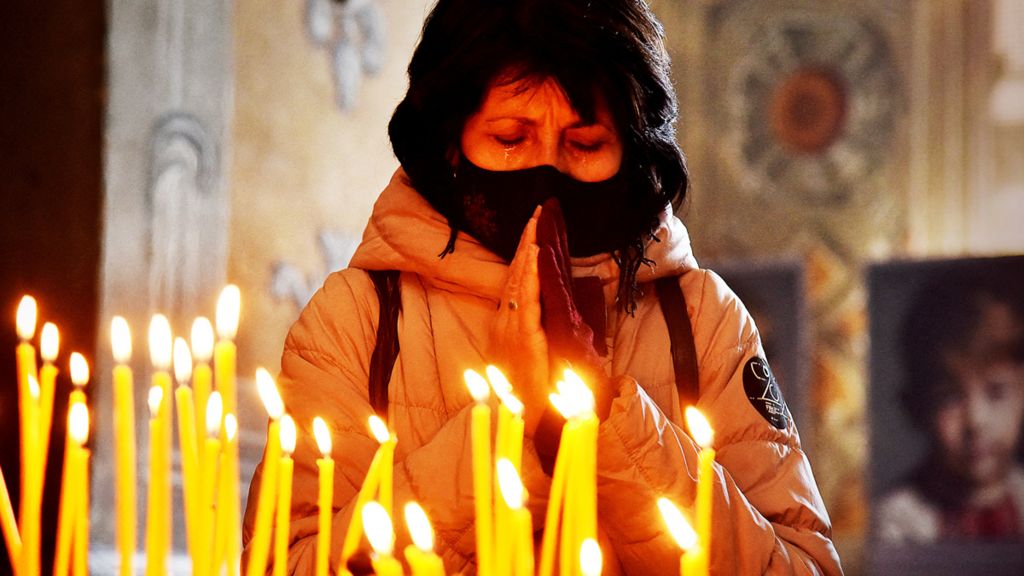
[[26, 318], [228, 306], [78, 423], [479, 389], [160, 342], [699, 427], [182, 361], [378, 528], [503, 389], [379, 429], [156, 397], [680, 529], [33, 387], [590, 558], [511, 486], [214, 411], [230, 426], [202, 340], [49, 342], [268, 394], [79, 370], [288, 434], [574, 398], [323, 436], [419, 527], [121, 339]]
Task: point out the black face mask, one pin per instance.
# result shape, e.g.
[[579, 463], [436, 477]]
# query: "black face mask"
[[496, 205]]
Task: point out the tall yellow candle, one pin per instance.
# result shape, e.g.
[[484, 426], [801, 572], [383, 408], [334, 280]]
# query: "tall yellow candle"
[[202, 374], [225, 353], [73, 497], [282, 525], [585, 492], [205, 512], [188, 443], [260, 544], [683, 534], [370, 487], [381, 534], [420, 554], [9, 524], [124, 442], [703, 435], [31, 500], [159, 509], [482, 464], [386, 467], [520, 541], [227, 506], [49, 346], [325, 464], [509, 446], [80, 564], [556, 497], [29, 415]]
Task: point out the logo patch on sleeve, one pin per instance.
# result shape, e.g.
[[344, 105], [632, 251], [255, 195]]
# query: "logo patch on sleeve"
[[763, 392]]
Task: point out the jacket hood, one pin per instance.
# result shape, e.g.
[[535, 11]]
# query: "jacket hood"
[[406, 233]]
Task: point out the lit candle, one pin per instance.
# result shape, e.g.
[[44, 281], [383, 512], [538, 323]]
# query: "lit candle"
[[325, 465], [420, 555], [80, 553], [73, 498], [683, 534], [225, 353], [29, 415], [387, 463], [31, 501], [282, 528], [372, 484], [202, 375], [188, 444], [703, 435], [520, 542], [49, 346], [381, 535], [159, 509], [205, 543], [585, 493], [124, 441], [482, 465], [509, 446], [260, 544], [227, 523], [9, 524], [158, 483], [591, 560]]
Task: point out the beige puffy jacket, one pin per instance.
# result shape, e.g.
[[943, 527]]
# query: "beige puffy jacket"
[[768, 515]]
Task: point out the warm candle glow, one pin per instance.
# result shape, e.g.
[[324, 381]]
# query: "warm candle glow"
[[419, 527], [78, 423], [156, 396], [121, 340], [202, 340], [379, 429], [49, 342], [230, 426], [323, 436], [228, 306], [479, 389], [26, 319], [700, 430], [33, 387], [378, 529], [512, 490], [268, 394], [214, 411], [288, 434], [182, 361], [503, 389], [590, 558], [79, 369], [160, 342], [574, 386], [680, 529]]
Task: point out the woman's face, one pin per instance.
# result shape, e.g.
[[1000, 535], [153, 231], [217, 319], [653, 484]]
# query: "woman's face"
[[530, 122]]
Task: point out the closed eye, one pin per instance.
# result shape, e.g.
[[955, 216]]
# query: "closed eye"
[[509, 141]]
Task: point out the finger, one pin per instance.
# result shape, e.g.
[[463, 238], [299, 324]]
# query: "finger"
[[530, 291]]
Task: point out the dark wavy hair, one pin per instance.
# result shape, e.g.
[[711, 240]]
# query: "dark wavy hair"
[[614, 48]]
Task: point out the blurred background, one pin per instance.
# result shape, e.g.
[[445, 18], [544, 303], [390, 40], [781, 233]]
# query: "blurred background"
[[153, 150]]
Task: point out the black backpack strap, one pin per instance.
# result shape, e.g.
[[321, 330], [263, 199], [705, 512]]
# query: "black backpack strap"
[[385, 351], [680, 333]]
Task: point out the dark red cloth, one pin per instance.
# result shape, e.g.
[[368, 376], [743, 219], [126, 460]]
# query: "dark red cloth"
[[996, 522]]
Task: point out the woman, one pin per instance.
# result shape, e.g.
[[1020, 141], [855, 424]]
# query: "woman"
[[510, 103]]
